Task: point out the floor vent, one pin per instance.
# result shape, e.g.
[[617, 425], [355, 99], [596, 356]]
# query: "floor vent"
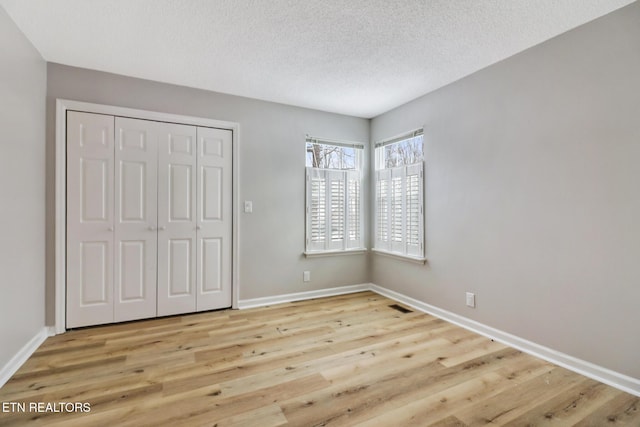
[[400, 308]]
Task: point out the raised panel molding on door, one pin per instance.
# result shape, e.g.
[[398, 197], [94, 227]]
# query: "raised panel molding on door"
[[90, 221], [214, 218], [136, 159], [176, 219]]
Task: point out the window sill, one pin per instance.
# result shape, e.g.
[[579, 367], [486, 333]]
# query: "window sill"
[[409, 258], [316, 254]]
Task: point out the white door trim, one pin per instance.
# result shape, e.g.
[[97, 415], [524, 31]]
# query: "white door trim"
[[62, 105]]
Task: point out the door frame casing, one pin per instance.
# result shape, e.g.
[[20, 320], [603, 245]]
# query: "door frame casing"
[[64, 105]]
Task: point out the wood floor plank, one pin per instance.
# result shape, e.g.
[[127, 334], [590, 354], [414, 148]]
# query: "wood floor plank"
[[450, 421], [573, 406], [266, 416], [433, 407], [345, 401], [623, 409], [345, 360], [511, 404]]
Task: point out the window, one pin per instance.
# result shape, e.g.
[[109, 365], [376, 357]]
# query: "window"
[[399, 210], [333, 202]]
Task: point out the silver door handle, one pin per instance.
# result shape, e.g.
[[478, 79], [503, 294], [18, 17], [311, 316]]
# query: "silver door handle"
[[162, 228], [110, 228], [198, 227], [151, 228]]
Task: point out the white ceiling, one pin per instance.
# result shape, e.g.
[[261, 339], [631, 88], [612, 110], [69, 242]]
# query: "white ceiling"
[[356, 57]]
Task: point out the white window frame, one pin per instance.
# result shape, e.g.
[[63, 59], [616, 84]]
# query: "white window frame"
[[399, 210], [331, 197]]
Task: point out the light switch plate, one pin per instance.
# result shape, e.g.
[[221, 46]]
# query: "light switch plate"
[[471, 299], [248, 206]]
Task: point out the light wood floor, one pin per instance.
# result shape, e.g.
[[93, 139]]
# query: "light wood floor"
[[346, 360]]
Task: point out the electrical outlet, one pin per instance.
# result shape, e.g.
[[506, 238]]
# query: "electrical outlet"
[[471, 300], [306, 276]]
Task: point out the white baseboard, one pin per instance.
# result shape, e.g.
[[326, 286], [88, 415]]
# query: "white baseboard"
[[588, 369], [7, 371], [300, 296]]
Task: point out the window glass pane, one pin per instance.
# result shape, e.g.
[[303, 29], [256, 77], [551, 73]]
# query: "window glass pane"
[[309, 160], [402, 153], [326, 156]]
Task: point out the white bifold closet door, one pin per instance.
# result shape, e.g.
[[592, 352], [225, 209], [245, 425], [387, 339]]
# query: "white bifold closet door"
[[194, 219], [90, 219], [214, 218], [135, 262], [176, 219], [149, 219]]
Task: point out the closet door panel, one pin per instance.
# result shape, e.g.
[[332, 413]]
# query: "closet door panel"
[[176, 219], [211, 259], [214, 218], [179, 271], [136, 218], [90, 221]]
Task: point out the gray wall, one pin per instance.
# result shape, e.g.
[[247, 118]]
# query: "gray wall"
[[22, 194], [272, 155], [532, 194]]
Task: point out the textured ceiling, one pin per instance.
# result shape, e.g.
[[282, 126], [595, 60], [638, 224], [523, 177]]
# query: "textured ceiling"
[[356, 57]]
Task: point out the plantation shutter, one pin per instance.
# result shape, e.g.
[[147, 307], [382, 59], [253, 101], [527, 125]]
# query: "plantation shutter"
[[316, 209], [354, 209], [397, 231], [414, 222], [334, 218], [399, 210], [336, 199], [383, 208]]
